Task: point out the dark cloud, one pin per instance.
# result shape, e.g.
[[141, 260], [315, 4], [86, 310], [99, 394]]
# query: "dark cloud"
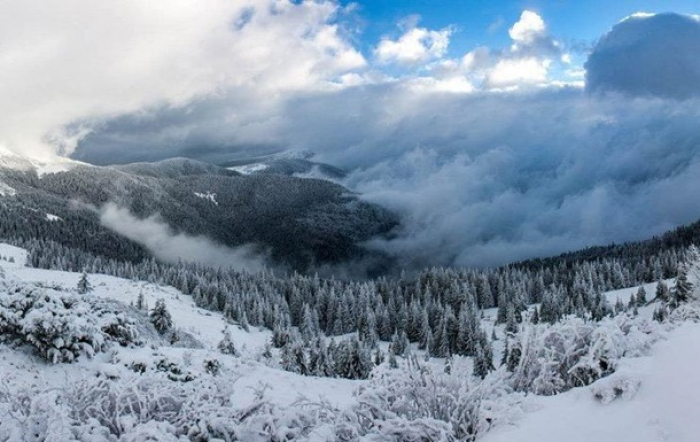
[[216, 130], [648, 56]]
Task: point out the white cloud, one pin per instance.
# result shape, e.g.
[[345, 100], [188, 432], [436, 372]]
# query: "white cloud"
[[518, 72], [527, 62], [528, 29], [415, 46], [73, 60], [154, 234]]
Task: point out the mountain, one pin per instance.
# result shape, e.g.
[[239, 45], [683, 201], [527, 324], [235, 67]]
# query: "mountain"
[[288, 163], [299, 222]]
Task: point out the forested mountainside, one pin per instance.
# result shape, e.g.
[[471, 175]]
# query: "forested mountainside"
[[637, 251], [285, 165], [299, 222], [490, 335]]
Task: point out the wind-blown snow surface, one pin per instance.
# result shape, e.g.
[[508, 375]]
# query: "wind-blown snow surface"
[[665, 408]]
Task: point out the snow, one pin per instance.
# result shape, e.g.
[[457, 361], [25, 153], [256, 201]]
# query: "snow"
[[249, 168], [651, 398], [664, 408], [6, 190], [207, 196], [50, 217], [624, 294], [281, 387], [43, 166]]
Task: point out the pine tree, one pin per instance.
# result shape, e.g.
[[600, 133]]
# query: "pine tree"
[[513, 356], [511, 322], [660, 314], [160, 317], [378, 356], [662, 292], [619, 306], [641, 297], [308, 328], [244, 322], [83, 284], [684, 289], [483, 361], [425, 332], [445, 349], [226, 345], [140, 302]]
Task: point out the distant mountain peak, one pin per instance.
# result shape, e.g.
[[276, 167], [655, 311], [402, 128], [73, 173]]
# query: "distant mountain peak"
[[51, 164]]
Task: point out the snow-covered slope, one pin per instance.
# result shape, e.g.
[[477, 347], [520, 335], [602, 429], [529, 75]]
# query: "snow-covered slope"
[[661, 404], [281, 387], [10, 160], [649, 398]]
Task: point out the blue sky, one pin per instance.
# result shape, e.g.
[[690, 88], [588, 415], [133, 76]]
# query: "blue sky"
[[486, 22]]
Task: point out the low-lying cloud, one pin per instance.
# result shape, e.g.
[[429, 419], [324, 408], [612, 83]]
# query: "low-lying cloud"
[[159, 239]]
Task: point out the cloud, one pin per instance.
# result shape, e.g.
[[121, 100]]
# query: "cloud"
[[570, 172], [486, 157], [648, 55], [518, 71], [82, 61], [483, 178], [528, 30], [416, 45], [157, 237], [527, 62]]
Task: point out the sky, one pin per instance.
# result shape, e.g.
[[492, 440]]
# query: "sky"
[[498, 130], [481, 22]]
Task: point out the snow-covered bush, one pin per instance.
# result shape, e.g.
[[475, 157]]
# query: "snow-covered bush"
[[150, 407], [212, 366], [576, 352], [59, 326], [420, 402]]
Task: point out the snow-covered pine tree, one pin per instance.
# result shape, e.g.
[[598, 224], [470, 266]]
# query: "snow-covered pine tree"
[[483, 360], [684, 288], [662, 292], [511, 322], [140, 301], [641, 297], [160, 317], [83, 284], [226, 345]]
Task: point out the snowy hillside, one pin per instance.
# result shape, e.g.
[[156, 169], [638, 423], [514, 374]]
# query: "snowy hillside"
[[204, 326], [279, 219], [658, 400], [12, 161], [187, 388]]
